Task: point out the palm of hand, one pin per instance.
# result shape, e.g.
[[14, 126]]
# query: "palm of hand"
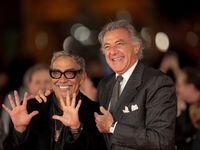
[[20, 116], [70, 116]]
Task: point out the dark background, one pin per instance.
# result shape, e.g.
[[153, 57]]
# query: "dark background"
[[22, 20]]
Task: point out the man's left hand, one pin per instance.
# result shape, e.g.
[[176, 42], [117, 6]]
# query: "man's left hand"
[[103, 122], [70, 117]]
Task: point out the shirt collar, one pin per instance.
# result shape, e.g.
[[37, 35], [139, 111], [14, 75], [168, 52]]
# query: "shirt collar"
[[128, 73]]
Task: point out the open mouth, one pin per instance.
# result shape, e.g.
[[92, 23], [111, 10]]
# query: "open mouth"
[[64, 86], [117, 59]]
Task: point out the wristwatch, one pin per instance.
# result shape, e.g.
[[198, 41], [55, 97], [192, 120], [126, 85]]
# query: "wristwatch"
[[112, 127]]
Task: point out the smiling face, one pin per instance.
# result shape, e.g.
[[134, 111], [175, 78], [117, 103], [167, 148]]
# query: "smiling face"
[[119, 50], [62, 85]]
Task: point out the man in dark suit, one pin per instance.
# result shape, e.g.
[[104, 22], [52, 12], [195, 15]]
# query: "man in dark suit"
[[65, 121], [145, 112]]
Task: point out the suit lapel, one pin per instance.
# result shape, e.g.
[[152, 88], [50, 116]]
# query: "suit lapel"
[[107, 92], [105, 99], [129, 92]]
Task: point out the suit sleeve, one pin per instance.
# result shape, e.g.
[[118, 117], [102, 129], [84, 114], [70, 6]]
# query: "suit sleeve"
[[159, 108]]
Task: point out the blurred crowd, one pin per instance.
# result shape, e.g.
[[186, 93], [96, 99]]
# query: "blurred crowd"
[[186, 78]]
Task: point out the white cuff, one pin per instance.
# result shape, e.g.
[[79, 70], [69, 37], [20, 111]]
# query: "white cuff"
[[112, 128]]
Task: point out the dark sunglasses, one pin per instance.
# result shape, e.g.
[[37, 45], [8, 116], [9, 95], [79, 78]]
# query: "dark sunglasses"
[[69, 74]]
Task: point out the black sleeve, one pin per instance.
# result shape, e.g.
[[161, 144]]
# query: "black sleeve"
[[90, 138], [19, 137]]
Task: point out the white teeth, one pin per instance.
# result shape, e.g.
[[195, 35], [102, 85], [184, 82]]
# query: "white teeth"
[[117, 59], [64, 87]]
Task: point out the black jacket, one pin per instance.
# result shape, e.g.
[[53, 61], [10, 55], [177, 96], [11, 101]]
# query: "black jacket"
[[40, 131]]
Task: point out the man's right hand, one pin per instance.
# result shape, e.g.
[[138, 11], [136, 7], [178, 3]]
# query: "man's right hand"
[[19, 114], [41, 95]]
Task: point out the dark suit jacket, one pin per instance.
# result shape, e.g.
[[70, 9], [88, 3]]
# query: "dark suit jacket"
[[151, 125], [40, 133]]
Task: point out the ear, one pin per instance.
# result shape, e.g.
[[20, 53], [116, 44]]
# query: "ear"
[[136, 47], [83, 77]]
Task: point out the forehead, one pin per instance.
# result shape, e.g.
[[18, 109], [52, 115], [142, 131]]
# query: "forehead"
[[116, 34], [40, 71], [64, 63], [40, 75]]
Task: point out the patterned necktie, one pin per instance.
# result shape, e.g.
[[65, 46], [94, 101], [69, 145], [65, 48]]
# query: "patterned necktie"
[[115, 93]]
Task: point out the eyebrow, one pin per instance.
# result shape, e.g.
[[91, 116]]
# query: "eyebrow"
[[70, 69], [106, 44], [120, 40]]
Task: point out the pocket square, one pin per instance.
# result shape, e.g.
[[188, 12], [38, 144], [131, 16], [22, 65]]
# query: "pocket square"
[[134, 107], [126, 110]]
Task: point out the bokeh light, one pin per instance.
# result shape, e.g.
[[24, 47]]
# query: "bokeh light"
[[162, 41], [192, 38]]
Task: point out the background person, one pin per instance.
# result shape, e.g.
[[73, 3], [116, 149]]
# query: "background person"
[[39, 78], [191, 91], [21, 90], [187, 94], [185, 130], [35, 78]]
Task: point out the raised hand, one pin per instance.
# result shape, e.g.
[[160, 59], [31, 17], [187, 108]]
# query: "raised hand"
[[103, 122], [41, 95], [19, 114], [70, 116]]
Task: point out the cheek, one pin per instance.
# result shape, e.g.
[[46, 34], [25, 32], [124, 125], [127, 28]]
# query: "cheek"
[[48, 85], [54, 81], [76, 85], [53, 84]]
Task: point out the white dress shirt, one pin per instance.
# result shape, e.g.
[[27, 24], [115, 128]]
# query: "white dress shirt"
[[126, 77]]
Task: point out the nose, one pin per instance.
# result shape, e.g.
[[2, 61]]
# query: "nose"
[[62, 78], [42, 86], [113, 50]]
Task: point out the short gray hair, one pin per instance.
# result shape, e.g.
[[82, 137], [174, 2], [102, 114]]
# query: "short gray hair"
[[78, 59], [125, 25]]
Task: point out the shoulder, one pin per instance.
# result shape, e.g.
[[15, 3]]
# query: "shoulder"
[[87, 101], [147, 70], [106, 80], [153, 75], [88, 104], [33, 104]]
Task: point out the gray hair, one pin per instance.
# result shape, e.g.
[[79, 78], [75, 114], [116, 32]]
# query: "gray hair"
[[125, 25], [78, 59]]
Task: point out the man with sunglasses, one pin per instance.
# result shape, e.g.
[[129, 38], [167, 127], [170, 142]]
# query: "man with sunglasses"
[[65, 121]]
